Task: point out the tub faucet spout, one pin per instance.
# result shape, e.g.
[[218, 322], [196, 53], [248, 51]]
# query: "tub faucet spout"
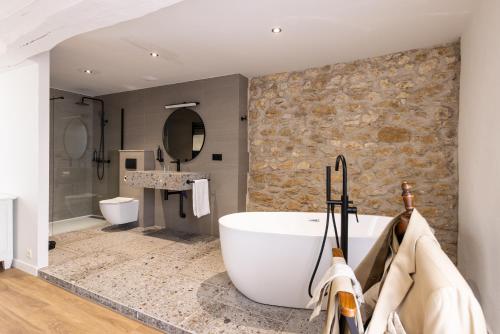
[[341, 158]]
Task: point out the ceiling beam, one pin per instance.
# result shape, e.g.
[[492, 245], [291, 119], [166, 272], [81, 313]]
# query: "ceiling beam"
[[30, 27]]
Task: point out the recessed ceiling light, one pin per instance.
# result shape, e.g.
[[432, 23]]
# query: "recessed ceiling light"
[[88, 71], [276, 30], [154, 54]]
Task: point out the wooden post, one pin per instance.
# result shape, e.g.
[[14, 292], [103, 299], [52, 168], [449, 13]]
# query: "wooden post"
[[347, 304], [405, 218]]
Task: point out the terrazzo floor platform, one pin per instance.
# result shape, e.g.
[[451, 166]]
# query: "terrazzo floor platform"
[[172, 281]]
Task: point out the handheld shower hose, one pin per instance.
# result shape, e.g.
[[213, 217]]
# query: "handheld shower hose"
[[330, 208]]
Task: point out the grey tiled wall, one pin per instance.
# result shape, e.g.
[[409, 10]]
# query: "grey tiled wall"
[[223, 100]]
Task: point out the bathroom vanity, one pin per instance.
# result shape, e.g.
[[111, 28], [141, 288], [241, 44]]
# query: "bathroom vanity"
[[139, 180], [183, 140], [166, 180], [171, 183], [6, 229]]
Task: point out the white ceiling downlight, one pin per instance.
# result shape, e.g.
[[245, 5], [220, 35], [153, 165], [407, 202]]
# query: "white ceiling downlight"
[[88, 71], [276, 30], [154, 54]]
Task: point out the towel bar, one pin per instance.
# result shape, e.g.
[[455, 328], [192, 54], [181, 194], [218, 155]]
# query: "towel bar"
[[192, 181]]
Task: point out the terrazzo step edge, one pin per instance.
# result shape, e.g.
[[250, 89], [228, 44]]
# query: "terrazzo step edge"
[[127, 311]]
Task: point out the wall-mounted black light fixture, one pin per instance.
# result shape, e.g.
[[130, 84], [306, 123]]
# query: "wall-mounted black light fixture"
[[182, 105]]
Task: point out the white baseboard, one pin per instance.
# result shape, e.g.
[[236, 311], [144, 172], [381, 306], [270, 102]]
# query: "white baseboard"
[[26, 267]]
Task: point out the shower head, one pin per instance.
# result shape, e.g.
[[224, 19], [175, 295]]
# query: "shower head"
[[82, 102], [57, 98]]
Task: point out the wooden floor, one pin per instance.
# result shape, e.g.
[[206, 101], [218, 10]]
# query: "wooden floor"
[[31, 305]]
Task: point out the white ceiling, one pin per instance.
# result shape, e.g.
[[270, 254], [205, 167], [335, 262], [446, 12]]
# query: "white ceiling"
[[201, 39]]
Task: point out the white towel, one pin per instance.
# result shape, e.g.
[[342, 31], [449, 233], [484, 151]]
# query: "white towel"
[[201, 198], [339, 277], [338, 269]]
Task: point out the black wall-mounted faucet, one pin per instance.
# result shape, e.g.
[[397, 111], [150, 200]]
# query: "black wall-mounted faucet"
[[177, 163]]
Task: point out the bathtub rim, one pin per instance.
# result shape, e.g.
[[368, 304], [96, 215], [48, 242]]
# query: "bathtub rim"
[[223, 223]]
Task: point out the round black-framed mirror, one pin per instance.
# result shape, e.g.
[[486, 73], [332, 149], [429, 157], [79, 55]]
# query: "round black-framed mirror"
[[184, 134]]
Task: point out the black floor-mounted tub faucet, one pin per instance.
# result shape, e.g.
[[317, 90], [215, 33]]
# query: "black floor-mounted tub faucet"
[[345, 210]]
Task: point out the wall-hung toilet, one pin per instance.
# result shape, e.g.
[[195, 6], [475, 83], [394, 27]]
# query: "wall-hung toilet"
[[120, 210]]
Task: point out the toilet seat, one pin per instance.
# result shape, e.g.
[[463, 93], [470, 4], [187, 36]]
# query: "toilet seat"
[[120, 210], [117, 200]]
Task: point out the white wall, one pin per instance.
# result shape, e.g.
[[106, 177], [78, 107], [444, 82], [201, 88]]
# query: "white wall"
[[479, 159], [24, 152]]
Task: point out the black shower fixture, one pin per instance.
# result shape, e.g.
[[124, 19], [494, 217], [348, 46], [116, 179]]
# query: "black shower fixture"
[[98, 156]]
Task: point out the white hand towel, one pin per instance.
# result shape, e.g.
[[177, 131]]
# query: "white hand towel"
[[338, 269], [339, 277], [201, 198]]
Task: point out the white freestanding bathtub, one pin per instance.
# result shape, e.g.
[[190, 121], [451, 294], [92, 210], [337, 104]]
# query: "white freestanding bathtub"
[[270, 256]]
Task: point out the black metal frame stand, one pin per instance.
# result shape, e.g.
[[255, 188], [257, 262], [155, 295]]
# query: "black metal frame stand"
[[167, 193]]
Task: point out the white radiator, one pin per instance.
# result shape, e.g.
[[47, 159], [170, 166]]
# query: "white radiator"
[[6, 228]]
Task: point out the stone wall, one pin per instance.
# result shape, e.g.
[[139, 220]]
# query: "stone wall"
[[395, 119]]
